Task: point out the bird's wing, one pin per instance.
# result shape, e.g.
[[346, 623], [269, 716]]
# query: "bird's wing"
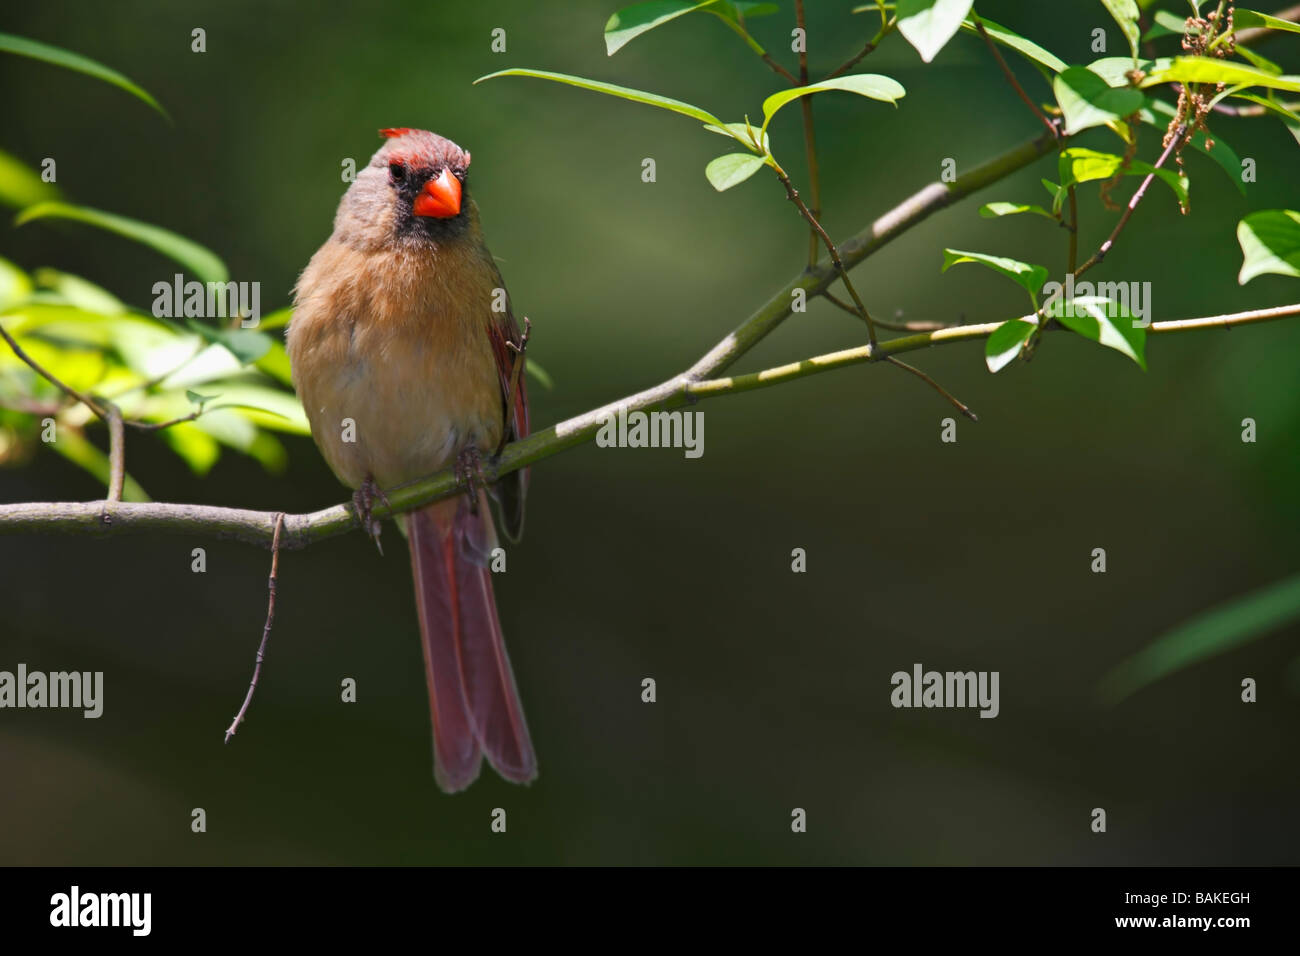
[[504, 333]]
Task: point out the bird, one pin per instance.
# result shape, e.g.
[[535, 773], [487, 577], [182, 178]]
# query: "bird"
[[407, 358]]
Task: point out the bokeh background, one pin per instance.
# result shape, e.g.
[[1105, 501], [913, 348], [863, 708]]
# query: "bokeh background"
[[773, 687]]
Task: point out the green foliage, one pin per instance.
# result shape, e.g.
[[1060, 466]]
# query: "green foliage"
[[1002, 347], [732, 169], [22, 46], [1026, 275], [1104, 321], [1126, 14], [1270, 242], [1214, 632], [231, 380], [204, 263], [929, 24], [1086, 100]]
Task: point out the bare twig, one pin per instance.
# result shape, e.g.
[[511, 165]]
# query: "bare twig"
[[767, 58], [809, 136], [116, 453], [1175, 142], [793, 195], [49, 376], [1011, 77], [961, 407], [886, 27], [1072, 257], [914, 326], [266, 628]]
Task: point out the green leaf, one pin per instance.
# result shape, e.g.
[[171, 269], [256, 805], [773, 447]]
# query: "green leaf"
[[276, 319], [1212, 632], [202, 262], [1158, 113], [1028, 276], [1246, 19], [871, 85], [733, 169], [543, 377], [623, 92], [1199, 69], [275, 363], [1002, 347], [74, 61], [196, 447], [1166, 24], [1078, 165], [994, 210], [1014, 41], [1104, 321], [1087, 100], [1270, 242], [929, 24], [741, 133], [15, 286], [1257, 60], [198, 399], [1115, 69], [1126, 14], [80, 292], [629, 23], [22, 186], [247, 345]]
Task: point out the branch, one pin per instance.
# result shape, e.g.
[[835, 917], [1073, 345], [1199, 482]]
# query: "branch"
[[258, 527], [1011, 77], [266, 628]]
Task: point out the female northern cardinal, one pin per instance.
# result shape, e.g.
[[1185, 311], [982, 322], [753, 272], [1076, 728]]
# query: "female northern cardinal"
[[407, 358]]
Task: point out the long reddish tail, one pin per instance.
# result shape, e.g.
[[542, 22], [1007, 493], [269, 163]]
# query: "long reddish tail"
[[472, 695]]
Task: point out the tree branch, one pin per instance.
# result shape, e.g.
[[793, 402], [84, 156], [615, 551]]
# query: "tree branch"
[[258, 527]]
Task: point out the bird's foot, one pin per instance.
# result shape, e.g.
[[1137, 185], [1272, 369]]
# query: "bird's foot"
[[469, 472], [363, 500]]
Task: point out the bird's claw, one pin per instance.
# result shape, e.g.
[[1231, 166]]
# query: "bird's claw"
[[363, 500], [469, 472]]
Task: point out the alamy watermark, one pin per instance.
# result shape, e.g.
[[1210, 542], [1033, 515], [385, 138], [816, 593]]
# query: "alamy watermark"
[[1115, 300], [946, 689], [81, 690], [624, 429], [208, 300]]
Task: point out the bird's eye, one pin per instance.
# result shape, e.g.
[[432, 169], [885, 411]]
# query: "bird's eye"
[[397, 171]]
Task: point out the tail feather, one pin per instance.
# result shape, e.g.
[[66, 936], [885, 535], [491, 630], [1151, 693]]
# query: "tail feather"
[[472, 695]]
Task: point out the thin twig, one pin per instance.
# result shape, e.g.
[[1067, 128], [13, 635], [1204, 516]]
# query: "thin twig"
[[917, 326], [793, 195], [960, 406], [1011, 77], [266, 629], [767, 58], [885, 28], [116, 453], [1175, 142], [809, 135], [49, 376]]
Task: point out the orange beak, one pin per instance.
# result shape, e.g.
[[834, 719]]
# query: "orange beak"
[[440, 197]]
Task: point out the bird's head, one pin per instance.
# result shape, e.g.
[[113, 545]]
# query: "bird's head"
[[412, 190]]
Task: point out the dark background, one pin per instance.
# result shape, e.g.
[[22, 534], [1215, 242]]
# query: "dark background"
[[773, 687]]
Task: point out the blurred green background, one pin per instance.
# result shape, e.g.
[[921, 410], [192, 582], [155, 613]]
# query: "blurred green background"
[[773, 687]]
